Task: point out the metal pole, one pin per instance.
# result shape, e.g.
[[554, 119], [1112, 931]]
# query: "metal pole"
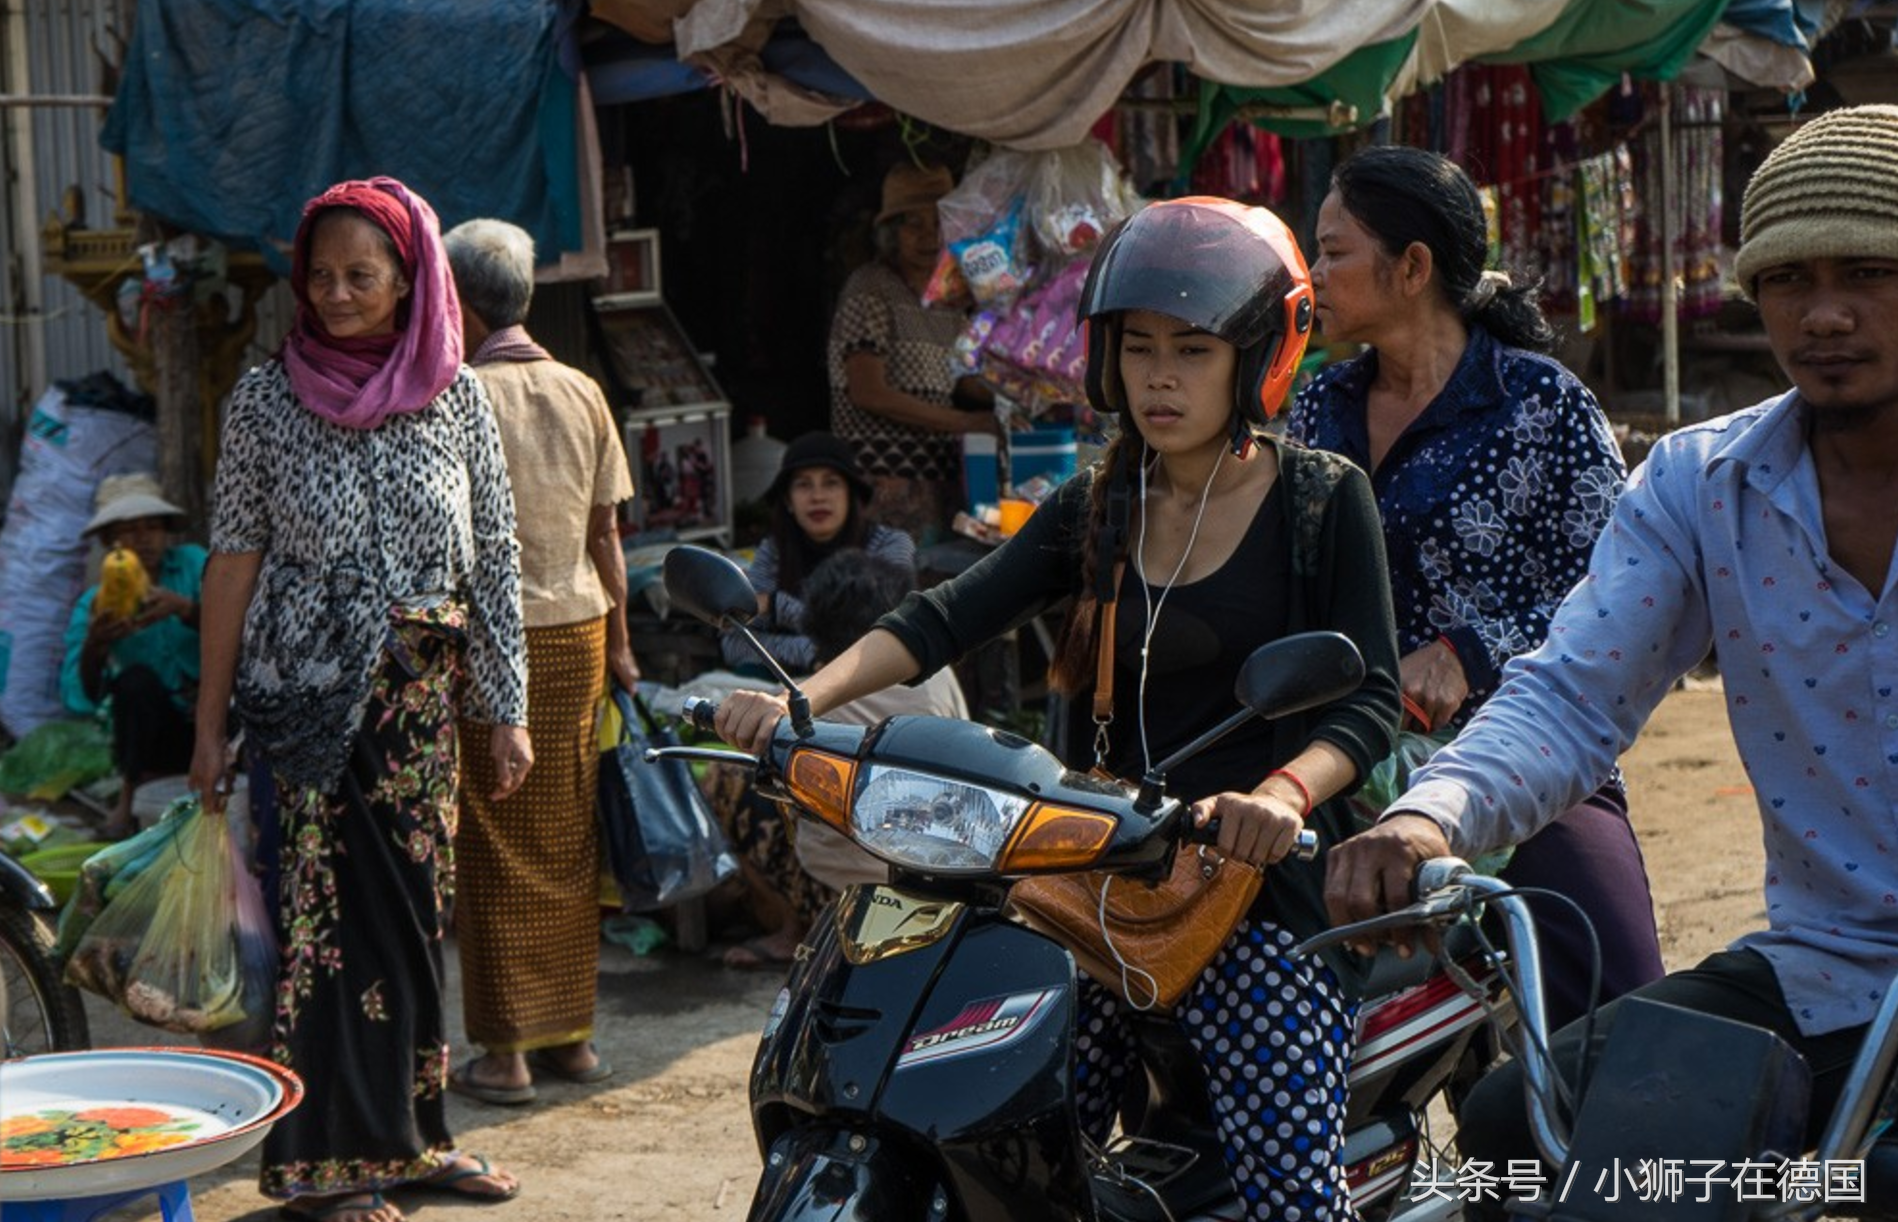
[[1670, 289], [16, 73], [97, 100]]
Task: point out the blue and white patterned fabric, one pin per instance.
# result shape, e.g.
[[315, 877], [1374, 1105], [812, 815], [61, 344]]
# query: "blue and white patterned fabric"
[[1720, 543], [1274, 1035], [1491, 499]]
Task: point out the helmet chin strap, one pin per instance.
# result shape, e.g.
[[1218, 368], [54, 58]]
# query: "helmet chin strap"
[[1241, 440]]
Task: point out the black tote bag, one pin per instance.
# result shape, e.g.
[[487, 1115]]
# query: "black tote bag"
[[661, 841]]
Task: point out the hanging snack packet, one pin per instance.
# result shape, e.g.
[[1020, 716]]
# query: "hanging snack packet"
[[946, 284], [991, 261], [1077, 194]]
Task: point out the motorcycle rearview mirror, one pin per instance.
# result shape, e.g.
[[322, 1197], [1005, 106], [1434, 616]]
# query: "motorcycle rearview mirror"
[[1300, 672], [1282, 677], [712, 588]]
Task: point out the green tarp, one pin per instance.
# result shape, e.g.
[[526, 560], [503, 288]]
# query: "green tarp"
[[1594, 42], [1573, 61]]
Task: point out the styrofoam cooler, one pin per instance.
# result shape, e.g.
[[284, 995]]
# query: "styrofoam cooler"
[[1049, 451]]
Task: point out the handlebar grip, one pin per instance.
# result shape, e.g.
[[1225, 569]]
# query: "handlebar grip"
[[1304, 848], [700, 712]]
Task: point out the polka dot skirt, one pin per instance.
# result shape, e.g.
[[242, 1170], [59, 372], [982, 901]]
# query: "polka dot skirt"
[[1274, 1036]]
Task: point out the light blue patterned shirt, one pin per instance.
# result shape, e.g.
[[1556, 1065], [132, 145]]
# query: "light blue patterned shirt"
[[1719, 542]]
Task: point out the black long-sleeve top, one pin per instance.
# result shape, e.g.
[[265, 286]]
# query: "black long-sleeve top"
[[1313, 560]]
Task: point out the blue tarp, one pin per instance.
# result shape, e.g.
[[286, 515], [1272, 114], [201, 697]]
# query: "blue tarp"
[[232, 113], [620, 68], [1782, 21]]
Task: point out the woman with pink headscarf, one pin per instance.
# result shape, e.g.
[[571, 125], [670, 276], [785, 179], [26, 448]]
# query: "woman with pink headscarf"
[[363, 562]]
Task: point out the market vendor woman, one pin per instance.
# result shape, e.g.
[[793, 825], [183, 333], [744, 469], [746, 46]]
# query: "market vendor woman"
[[140, 661], [894, 393]]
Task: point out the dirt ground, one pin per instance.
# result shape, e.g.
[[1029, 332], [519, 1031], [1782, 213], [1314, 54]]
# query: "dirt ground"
[[668, 1137]]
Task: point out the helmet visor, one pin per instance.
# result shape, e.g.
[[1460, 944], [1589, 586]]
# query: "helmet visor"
[[1206, 265]]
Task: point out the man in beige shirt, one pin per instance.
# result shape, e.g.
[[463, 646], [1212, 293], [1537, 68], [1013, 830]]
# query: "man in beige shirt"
[[528, 865]]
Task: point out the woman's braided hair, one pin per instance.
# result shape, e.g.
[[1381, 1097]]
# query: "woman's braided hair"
[[1104, 541]]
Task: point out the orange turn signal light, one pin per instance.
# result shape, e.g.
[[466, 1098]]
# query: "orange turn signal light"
[[822, 784], [1055, 837]]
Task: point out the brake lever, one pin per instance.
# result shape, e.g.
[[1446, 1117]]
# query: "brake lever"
[[1441, 907], [709, 754]]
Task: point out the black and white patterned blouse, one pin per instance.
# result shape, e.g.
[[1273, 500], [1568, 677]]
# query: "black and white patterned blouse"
[[878, 313], [1491, 499], [354, 525]]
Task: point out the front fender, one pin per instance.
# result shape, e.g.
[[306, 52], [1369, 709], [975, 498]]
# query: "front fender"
[[17, 883], [820, 1174]]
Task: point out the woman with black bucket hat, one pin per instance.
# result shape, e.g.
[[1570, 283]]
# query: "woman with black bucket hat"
[[818, 503]]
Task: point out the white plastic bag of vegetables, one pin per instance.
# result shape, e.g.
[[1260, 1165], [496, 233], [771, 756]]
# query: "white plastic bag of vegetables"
[[187, 945]]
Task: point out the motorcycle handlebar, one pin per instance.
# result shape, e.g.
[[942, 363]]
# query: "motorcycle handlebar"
[[700, 713], [1304, 847], [1447, 891]]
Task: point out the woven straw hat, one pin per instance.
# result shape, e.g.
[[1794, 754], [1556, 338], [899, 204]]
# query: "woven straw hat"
[[909, 188], [122, 498], [1829, 191]]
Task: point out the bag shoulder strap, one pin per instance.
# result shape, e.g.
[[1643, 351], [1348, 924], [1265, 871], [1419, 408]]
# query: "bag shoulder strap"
[[633, 712], [1104, 654]]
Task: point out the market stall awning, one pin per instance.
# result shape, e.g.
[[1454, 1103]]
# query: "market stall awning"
[[1036, 74]]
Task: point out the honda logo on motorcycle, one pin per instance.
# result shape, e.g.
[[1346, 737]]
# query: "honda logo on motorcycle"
[[982, 1026]]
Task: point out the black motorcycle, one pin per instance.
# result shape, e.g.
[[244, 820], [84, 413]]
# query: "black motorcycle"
[[38, 1012], [918, 1065]]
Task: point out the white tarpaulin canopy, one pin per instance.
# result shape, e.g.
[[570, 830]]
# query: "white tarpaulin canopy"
[[1037, 76]]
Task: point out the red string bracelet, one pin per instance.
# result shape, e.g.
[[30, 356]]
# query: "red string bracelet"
[[1302, 788], [1450, 645], [1417, 713]]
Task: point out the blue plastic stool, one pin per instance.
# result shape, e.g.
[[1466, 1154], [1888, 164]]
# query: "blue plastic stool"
[[174, 1201]]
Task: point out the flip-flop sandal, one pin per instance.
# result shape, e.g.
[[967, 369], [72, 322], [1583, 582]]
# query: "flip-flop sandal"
[[461, 1080], [755, 955], [356, 1203], [543, 1061], [447, 1181]]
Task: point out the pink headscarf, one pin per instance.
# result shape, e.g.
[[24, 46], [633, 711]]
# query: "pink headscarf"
[[359, 383]]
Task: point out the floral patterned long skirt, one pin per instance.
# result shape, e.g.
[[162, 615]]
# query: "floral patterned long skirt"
[[366, 870]]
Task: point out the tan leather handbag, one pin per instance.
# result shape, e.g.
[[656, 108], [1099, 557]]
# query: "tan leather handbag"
[[1144, 942]]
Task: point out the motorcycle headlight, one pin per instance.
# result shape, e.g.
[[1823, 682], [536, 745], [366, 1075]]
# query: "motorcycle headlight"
[[930, 823]]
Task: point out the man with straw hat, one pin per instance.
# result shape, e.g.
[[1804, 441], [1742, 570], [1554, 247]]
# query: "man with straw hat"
[[1769, 534], [138, 661]]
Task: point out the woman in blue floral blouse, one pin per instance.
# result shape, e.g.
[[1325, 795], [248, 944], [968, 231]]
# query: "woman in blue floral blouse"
[[1494, 470]]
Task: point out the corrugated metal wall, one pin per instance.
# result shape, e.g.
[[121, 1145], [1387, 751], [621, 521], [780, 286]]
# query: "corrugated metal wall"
[[58, 48], [50, 48]]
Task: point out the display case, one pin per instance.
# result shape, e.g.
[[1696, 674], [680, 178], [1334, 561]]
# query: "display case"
[[682, 461], [652, 363], [675, 417]]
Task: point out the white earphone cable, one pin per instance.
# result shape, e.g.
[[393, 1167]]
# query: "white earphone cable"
[[1146, 592]]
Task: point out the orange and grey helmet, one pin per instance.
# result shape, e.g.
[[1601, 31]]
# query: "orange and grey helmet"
[[1232, 270]]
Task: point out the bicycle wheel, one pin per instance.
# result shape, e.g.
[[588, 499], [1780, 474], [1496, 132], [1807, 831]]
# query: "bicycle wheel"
[[38, 1013]]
